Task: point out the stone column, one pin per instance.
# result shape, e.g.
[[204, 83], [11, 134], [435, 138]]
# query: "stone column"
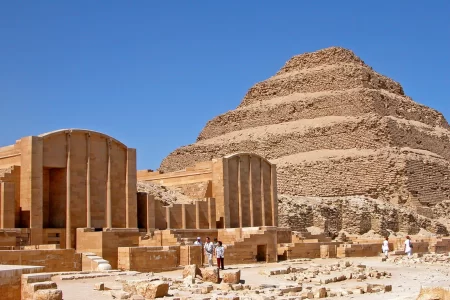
[[131, 189], [7, 205], [168, 217], [239, 191], [250, 190], [273, 196], [150, 212], [31, 184], [88, 181], [197, 214], [68, 194], [183, 216], [211, 213], [108, 188], [263, 209]]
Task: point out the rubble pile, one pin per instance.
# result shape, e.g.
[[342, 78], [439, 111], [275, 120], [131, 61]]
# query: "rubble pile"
[[311, 282], [436, 259]]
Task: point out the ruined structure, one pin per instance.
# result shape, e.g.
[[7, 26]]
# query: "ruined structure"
[[59, 181], [334, 127], [242, 184]]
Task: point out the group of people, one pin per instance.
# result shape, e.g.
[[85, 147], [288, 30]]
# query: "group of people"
[[213, 248], [407, 247]]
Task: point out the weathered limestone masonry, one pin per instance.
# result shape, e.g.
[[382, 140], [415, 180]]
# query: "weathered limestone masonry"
[[334, 127], [65, 180], [353, 215], [242, 184], [10, 280]]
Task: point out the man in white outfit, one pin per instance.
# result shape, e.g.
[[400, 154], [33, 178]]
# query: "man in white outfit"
[[209, 250], [385, 247], [408, 246], [198, 242]]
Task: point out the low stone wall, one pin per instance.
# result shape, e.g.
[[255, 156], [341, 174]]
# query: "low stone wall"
[[191, 255], [57, 260], [148, 259], [10, 280], [105, 243], [308, 250], [361, 250]]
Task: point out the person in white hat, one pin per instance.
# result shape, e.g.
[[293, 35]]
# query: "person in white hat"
[[198, 241]]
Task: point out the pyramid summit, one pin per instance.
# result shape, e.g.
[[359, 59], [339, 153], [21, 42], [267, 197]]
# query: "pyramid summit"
[[334, 127]]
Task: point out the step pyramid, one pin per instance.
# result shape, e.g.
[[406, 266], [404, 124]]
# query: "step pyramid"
[[334, 127]]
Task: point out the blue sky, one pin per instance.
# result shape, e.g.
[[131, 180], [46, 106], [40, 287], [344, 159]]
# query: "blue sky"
[[151, 74]]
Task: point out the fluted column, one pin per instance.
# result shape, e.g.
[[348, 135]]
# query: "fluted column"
[[88, 181], [250, 190], [68, 192], [263, 210], [108, 188], [239, 191], [273, 190]]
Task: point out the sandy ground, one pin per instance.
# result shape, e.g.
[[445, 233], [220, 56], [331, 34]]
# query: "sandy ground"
[[406, 280]]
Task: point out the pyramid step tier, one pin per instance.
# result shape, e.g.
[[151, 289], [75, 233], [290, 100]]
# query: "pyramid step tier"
[[327, 78], [401, 176], [327, 56], [332, 132], [353, 102]]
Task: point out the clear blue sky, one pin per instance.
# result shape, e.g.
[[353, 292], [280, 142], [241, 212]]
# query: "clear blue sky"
[[151, 74]]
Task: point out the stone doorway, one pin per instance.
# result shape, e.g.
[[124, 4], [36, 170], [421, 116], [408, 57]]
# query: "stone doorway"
[[261, 252]]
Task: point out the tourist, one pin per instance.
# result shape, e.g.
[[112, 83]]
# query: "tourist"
[[408, 246], [220, 250], [209, 250], [198, 242], [215, 243], [385, 247]]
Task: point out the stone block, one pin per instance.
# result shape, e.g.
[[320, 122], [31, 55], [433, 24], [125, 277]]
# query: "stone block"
[[210, 274], [231, 276], [100, 286], [320, 293], [120, 295], [207, 289], [191, 270], [52, 294], [145, 288]]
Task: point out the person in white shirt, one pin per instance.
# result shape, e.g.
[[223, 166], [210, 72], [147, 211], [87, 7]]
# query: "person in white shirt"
[[385, 247], [220, 251], [408, 246], [198, 242], [209, 250]]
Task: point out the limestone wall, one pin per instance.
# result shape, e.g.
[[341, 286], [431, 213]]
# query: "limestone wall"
[[378, 174], [105, 243], [10, 280], [353, 215], [58, 260], [148, 259]]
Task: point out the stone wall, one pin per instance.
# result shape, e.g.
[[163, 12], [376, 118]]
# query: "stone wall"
[[378, 174], [58, 260], [148, 259], [105, 243], [10, 280], [353, 215]]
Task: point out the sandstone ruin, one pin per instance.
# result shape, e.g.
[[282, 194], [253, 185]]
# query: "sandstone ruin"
[[319, 161]]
